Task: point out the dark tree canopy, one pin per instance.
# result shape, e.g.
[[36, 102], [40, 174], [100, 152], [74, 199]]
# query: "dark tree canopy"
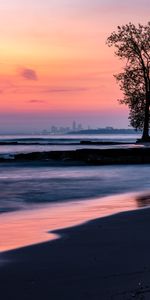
[[132, 44]]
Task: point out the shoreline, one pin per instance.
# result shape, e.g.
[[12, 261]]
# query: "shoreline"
[[38, 224], [107, 258]]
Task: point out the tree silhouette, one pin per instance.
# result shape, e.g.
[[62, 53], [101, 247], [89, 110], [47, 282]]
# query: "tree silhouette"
[[132, 44]]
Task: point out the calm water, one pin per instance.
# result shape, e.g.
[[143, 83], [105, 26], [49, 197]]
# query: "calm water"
[[38, 225], [37, 198], [26, 144], [67, 138], [23, 186], [40, 200], [26, 187]]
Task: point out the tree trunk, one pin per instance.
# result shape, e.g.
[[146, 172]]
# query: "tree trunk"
[[145, 136]]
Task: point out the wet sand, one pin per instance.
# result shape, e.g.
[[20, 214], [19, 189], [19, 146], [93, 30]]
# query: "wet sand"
[[35, 225], [108, 258]]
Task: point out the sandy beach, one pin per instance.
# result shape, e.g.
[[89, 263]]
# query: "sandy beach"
[[107, 258], [74, 233]]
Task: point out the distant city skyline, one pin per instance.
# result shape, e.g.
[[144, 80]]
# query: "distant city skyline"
[[37, 123]]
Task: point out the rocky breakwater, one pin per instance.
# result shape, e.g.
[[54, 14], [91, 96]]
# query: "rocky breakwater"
[[88, 156]]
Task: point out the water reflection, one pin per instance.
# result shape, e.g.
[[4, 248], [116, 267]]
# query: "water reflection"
[[19, 229]]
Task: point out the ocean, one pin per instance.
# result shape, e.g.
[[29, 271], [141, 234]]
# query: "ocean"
[[27, 187], [24, 185], [12, 144]]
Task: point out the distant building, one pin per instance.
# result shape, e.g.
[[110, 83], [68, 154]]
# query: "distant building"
[[79, 127], [68, 129], [54, 130], [109, 128], [44, 131], [64, 130], [74, 126]]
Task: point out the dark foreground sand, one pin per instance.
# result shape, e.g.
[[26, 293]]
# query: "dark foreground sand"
[[108, 258]]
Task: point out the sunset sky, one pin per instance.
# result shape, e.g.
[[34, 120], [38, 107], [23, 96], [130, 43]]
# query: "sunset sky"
[[55, 66]]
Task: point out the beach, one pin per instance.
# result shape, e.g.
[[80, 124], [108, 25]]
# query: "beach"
[[107, 258], [74, 231]]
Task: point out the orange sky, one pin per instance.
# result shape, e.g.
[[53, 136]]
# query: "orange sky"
[[54, 61]]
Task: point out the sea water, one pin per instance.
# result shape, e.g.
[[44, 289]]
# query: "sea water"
[[62, 196], [24, 185], [33, 143]]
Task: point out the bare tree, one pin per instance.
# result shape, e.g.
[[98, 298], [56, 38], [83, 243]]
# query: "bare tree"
[[132, 44]]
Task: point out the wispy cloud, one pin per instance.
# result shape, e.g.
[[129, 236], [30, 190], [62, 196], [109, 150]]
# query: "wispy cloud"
[[44, 89], [29, 74], [36, 101], [57, 90]]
